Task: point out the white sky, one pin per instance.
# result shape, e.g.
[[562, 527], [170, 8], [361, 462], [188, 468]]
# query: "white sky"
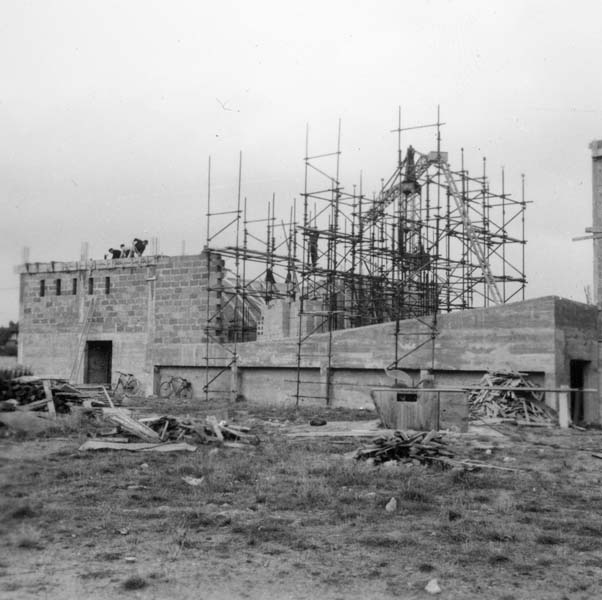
[[109, 110]]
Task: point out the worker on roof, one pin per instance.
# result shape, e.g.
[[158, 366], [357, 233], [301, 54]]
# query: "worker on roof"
[[138, 247]]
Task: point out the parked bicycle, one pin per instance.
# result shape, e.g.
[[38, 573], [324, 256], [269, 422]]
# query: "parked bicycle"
[[176, 386], [127, 385]]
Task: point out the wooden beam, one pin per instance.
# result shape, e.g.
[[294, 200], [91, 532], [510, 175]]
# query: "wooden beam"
[[48, 393]]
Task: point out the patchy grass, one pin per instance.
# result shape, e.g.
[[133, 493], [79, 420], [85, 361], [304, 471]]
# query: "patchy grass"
[[297, 511], [27, 537]]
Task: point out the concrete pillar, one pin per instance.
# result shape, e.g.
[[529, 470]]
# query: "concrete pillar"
[[596, 148], [235, 376], [325, 380]]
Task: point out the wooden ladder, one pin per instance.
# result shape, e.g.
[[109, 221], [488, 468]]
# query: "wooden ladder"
[[81, 344]]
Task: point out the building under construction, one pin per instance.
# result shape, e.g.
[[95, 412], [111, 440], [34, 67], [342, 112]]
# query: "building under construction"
[[324, 300]]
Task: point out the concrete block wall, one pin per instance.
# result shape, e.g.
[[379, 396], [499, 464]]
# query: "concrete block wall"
[[149, 301]]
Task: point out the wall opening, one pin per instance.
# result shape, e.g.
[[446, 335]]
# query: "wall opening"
[[99, 356], [42, 287], [107, 285], [74, 286], [90, 285], [577, 374], [58, 287]]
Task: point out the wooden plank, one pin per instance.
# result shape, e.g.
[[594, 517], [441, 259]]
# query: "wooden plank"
[[136, 447], [32, 405], [48, 393], [131, 425], [104, 389]]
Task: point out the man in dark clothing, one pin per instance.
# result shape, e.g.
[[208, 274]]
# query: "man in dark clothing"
[[124, 251], [270, 284], [313, 247], [138, 247], [115, 253]]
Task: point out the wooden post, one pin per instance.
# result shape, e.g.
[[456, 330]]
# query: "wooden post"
[[48, 394], [564, 418]]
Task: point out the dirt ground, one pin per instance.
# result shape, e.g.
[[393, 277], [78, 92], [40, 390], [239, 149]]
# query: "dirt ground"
[[294, 518]]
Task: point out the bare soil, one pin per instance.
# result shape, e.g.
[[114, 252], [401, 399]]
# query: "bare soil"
[[296, 519]]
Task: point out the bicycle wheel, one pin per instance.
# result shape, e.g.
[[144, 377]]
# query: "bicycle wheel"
[[132, 388], [118, 391], [165, 389]]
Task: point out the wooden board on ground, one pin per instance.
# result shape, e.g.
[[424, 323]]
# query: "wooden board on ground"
[[136, 447]]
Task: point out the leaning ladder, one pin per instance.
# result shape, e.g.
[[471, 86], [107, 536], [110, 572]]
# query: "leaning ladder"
[[81, 344]]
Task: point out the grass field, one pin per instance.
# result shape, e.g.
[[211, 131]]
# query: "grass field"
[[296, 519]]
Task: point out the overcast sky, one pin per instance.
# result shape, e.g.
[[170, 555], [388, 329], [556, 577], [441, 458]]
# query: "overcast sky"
[[109, 111]]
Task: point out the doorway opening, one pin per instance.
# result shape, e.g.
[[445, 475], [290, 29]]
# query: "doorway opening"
[[577, 374], [99, 355]]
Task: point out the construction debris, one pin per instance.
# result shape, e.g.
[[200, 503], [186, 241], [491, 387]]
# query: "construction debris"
[[418, 448], [423, 448], [158, 431], [516, 401], [134, 447], [48, 394]]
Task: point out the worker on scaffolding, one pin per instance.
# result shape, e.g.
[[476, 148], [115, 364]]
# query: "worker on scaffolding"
[[270, 284]]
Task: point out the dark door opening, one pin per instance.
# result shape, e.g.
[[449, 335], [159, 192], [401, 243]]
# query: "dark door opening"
[[577, 368], [98, 362]]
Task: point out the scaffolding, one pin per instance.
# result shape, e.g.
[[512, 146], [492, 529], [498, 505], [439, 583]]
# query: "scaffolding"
[[431, 240]]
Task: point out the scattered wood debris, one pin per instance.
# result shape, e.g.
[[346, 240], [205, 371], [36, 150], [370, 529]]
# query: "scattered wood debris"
[[164, 430], [49, 394], [516, 402], [422, 448]]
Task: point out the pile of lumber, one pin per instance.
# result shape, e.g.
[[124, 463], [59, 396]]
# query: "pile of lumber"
[[509, 395], [417, 448], [168, 429], [45, 394]]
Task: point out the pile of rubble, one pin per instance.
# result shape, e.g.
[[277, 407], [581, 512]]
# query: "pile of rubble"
[[165, 433], [509, 395]]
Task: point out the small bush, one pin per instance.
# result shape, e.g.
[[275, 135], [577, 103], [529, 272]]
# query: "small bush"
[[134, 583]]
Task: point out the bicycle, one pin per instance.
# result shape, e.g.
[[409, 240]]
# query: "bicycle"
[[129, 385], [176, 386]]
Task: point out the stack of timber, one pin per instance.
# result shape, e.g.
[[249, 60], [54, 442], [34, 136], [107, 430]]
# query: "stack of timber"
[[156, 430], [516, 402]]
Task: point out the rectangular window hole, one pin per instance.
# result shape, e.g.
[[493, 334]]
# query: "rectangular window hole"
[[58, 287], [90, 285], [407, 397]]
